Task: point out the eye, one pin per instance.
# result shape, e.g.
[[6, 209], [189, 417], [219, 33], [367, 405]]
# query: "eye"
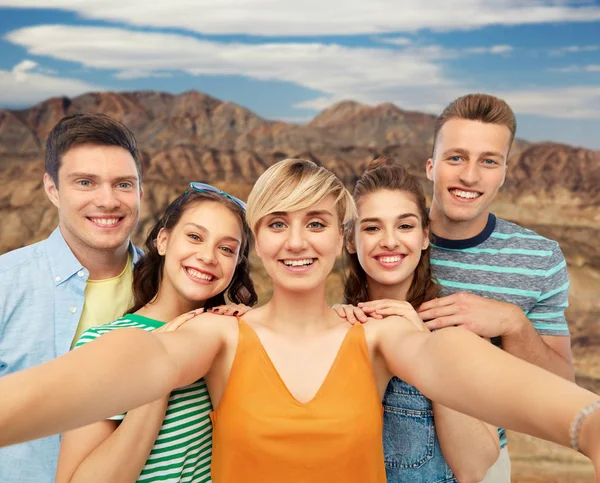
[[195, 237], [84, 182], [316, 225], [406, 226], [371, 228], [125, 185], [277, 225], [490, 162], [228, 250], [454, 158]]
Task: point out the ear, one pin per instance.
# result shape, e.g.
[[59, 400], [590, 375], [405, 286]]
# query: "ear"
[[505, 171], [256, 245], [141, 193], [426, 240], [429, 169], [161, 242], [51, 190], [340, 244], [349, 243]]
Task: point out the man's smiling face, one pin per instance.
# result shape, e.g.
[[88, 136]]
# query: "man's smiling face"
[[467, 169]]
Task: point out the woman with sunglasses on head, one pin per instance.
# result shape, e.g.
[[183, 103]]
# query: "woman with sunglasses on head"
[[387, 254], [196, 253], [297, 390]]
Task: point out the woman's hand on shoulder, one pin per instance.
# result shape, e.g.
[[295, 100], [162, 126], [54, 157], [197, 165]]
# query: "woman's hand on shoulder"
[[388, 307], [235, 310], [177, 322], [378, 309], [351, 313]]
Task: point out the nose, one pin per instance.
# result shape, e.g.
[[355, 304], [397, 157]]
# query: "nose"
[[470, 174], [207, 255], [295, 241], [388, 240], [106, 198]]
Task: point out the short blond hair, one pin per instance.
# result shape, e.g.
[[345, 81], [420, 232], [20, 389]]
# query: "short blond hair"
[[296, 184]]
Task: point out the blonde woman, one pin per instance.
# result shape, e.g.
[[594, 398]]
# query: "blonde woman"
[[297, 390]]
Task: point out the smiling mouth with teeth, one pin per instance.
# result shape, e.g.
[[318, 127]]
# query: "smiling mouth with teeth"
[[393, 259], [105, 221], [199, 275], [298, 263], [467, 195]]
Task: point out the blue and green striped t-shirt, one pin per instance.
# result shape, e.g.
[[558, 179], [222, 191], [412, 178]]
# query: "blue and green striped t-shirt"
[[511, 264]]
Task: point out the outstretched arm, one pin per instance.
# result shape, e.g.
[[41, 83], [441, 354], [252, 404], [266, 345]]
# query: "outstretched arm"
[[469, 446], [459, 370], [116, 450], [117, 372], [109, 452]]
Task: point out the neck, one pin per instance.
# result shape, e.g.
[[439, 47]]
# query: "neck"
[[168, 304], [101, 264], [397, 291], [444, 227], [299, 313]]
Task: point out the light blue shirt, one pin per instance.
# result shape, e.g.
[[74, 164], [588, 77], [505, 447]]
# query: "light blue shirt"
[[42, 289]]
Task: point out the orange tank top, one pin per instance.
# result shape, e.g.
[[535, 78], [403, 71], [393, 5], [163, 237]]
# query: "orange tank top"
[[262, 434]]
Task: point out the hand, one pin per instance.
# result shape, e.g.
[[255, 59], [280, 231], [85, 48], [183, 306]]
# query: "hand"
[[484, 317], [386, 307], [177, 322], [351, 313], [230, 309]]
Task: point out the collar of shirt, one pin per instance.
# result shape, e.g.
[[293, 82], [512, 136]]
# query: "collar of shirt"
[[64, 264]]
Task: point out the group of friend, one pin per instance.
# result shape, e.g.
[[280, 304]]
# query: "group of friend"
[[452, 325]]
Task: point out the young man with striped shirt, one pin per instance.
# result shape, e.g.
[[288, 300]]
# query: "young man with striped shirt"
[[499, 280]]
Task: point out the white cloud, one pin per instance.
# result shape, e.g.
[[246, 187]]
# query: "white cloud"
[[141, 74], [410, 77], [318, 17], [495, 49], [575, 49], [565, 70], [577, 68], [579, 102], [362, 74], [401, 41], [27, 83]]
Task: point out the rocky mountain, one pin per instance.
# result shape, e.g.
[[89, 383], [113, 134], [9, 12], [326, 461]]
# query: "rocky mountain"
[[551, 188]]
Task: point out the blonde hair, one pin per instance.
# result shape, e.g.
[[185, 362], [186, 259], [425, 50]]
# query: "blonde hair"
[[478, 107], [296, 184]]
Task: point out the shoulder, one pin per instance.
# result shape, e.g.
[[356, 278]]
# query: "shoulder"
[[518, 235], [22, 259], [221, 325], [95, 332], [529, 243]]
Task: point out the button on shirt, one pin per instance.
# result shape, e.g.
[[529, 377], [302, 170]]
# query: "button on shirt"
[[42, 290]]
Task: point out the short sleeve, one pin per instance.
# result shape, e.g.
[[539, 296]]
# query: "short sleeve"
[[548, 314]]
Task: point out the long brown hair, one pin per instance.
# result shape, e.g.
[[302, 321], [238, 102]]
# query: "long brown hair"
[[147, 272], [383, 174]]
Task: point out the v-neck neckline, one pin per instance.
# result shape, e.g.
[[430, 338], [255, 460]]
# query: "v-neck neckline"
[[282, 383]]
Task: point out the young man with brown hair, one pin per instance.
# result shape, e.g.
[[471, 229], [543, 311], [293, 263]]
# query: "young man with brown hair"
[[81, 275], [500, 281]]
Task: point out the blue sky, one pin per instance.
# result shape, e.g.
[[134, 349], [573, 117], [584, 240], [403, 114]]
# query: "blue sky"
[[291, 61]]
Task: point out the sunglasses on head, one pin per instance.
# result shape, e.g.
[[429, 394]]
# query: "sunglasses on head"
[[206, 188]]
